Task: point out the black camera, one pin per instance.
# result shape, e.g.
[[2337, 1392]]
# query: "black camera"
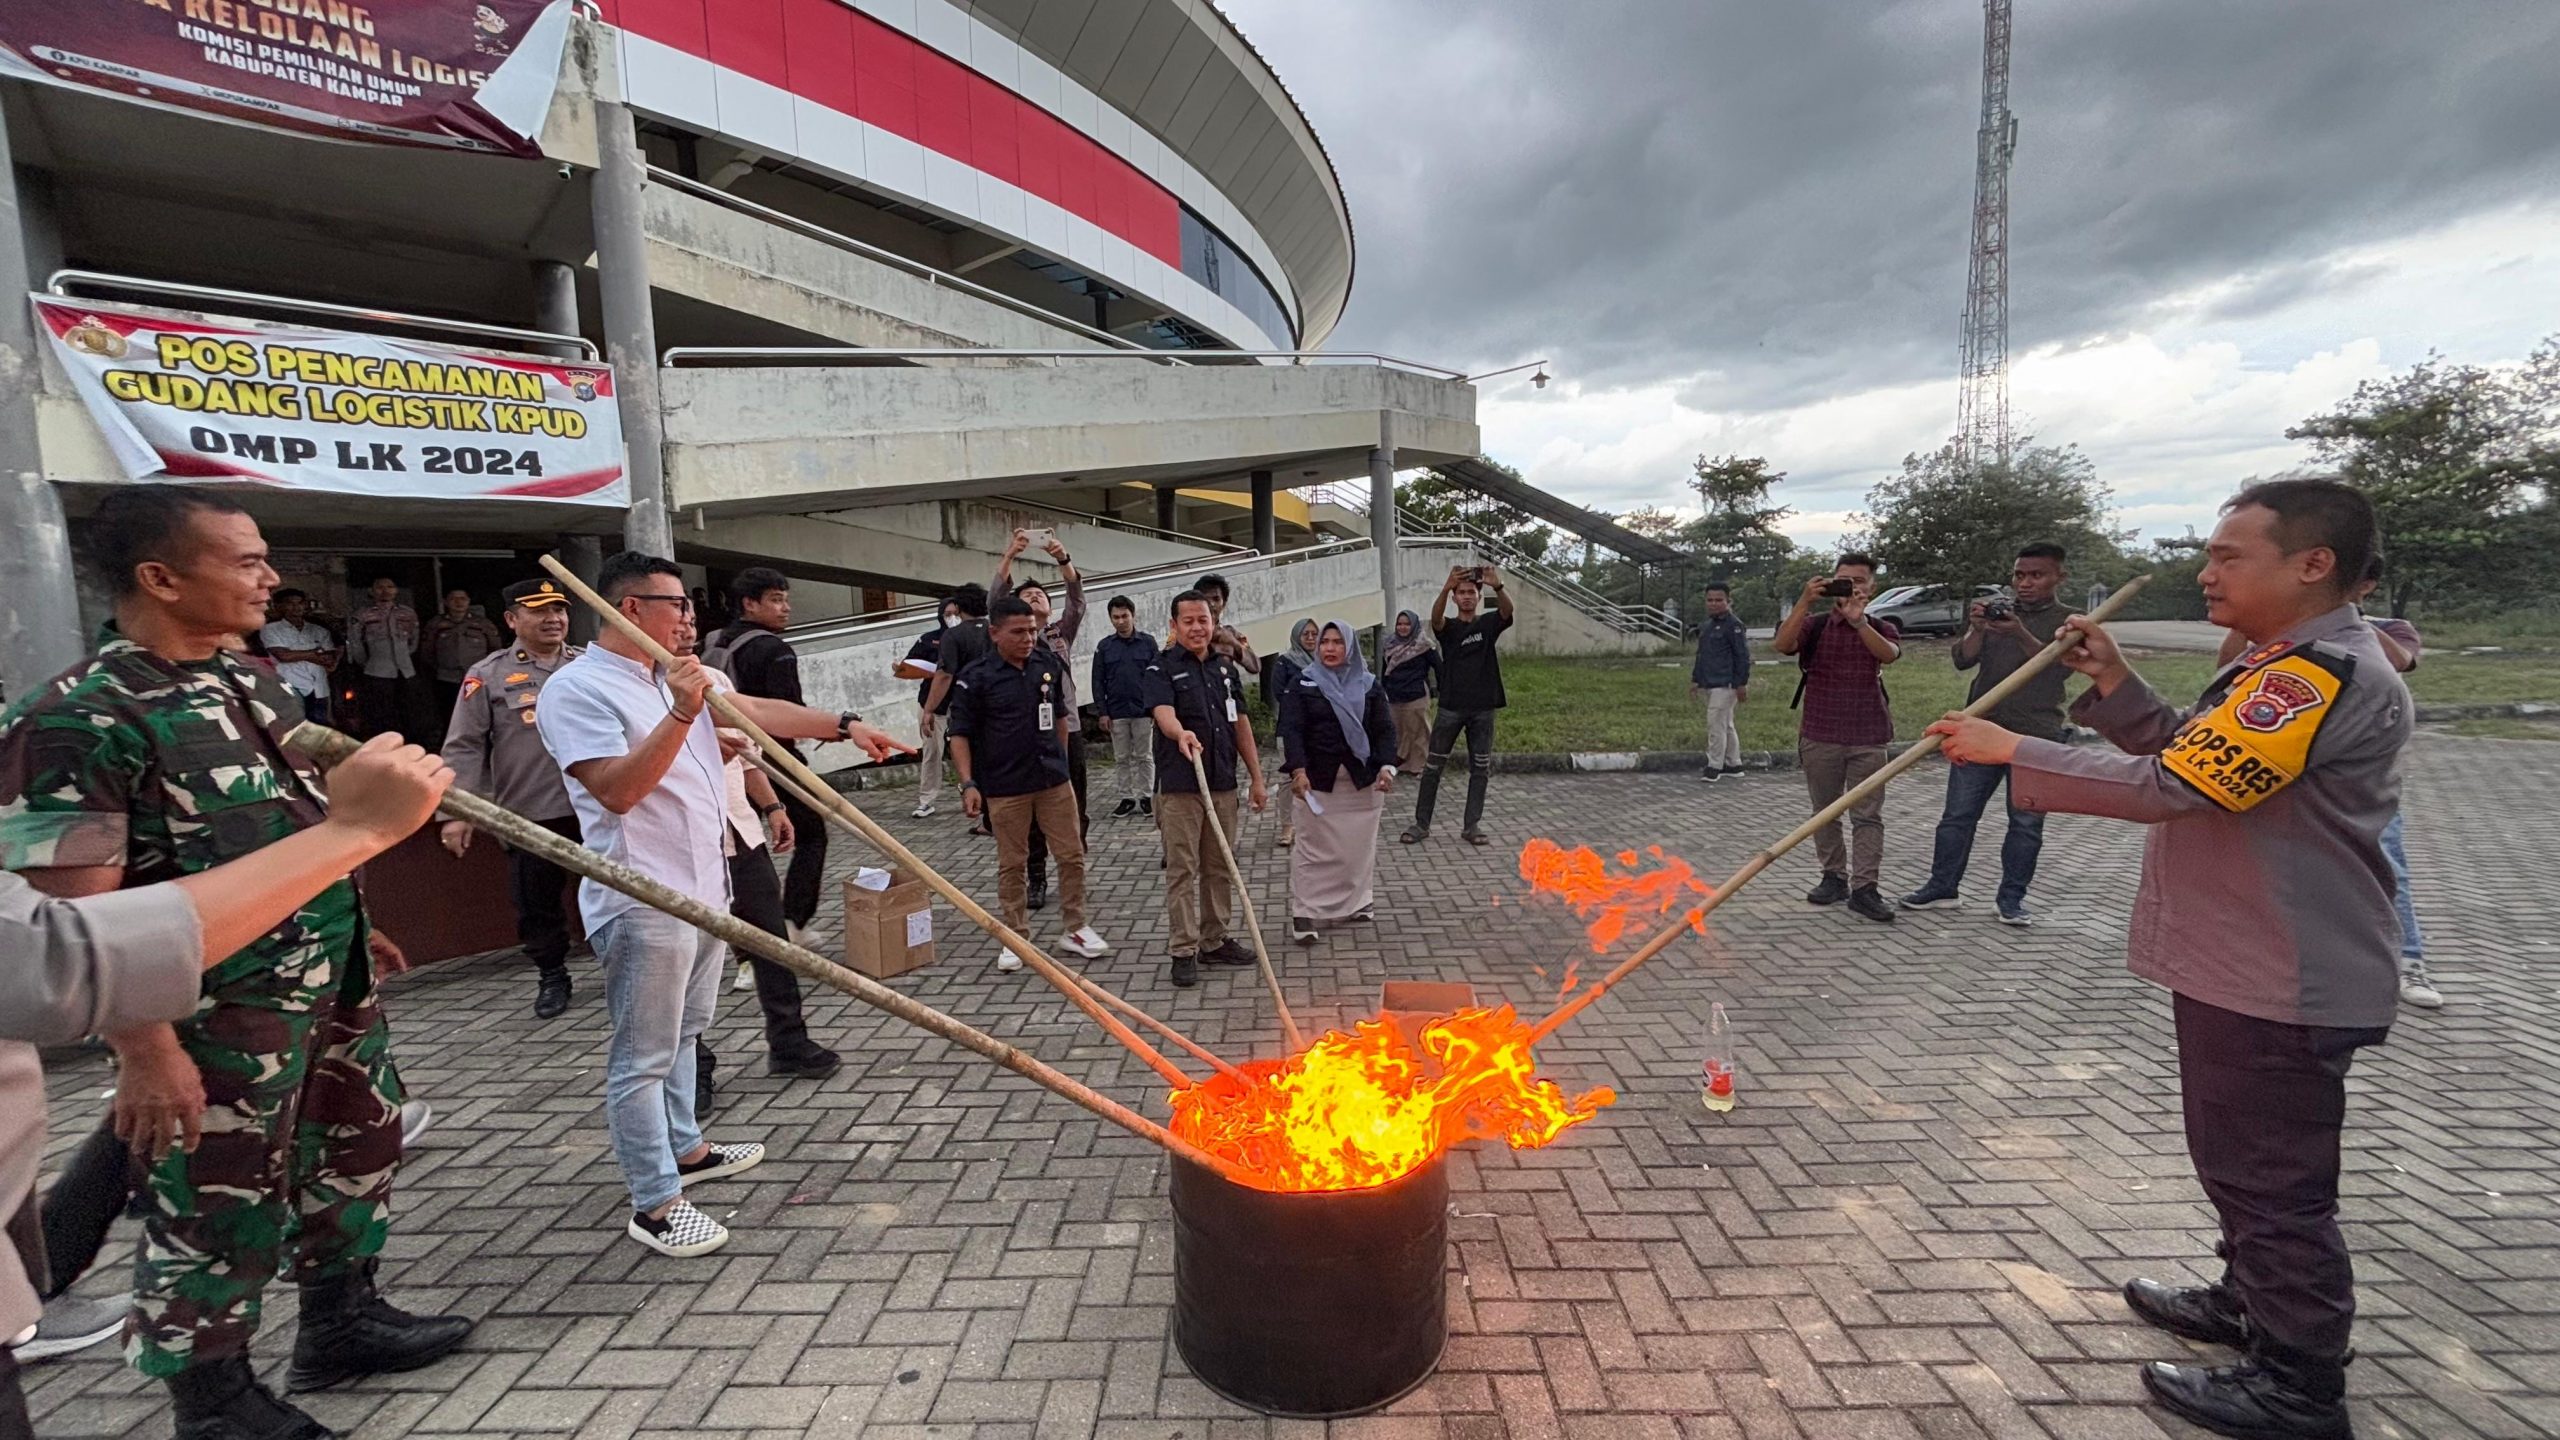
[[1999, 607], [1840, 587]]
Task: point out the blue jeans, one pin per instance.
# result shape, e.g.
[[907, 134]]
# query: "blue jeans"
[[2413, 946], [661, 979], [1969, 790]]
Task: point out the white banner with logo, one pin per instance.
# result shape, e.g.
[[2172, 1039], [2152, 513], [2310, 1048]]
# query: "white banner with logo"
[[184, 399]]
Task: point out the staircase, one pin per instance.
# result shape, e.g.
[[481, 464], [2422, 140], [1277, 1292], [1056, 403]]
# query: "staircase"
[[1413, 532]]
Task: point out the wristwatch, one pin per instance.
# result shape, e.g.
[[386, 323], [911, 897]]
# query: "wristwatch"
[[769, 811], [845, 721]]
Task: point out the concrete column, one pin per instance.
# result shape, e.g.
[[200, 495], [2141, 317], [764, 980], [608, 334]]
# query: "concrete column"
[[39, 599], [555, 288], [1266, 526], [1382, 510], [630, 326], [1165, 496]]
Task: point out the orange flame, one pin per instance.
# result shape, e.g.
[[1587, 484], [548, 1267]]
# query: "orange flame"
[[1363, 1109], [1581, 879]]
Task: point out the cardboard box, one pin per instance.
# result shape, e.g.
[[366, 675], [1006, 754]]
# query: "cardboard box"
[[888, 932]]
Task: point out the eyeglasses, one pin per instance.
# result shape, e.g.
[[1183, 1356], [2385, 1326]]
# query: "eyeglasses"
[[685, 601]]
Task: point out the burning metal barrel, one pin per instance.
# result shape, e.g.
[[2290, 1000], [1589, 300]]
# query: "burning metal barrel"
[[1311, 1304]]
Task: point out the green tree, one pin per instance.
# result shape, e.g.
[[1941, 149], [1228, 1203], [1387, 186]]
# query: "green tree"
[[1736, 536], [1947, 520], [2459, 461]]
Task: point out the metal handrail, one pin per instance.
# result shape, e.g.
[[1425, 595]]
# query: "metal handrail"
[[891, 258], [101, 280], [684, 354], [1126, 527], [1616, 614], [855, 626]]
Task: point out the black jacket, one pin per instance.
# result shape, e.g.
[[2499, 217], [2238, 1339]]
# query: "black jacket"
[[1311, 735], [1412, 679]]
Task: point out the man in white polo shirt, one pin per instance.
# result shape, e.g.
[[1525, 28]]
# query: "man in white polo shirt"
[[644, 766]]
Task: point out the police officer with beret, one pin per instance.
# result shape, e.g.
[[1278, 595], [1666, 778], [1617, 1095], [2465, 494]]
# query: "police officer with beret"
[[2266, 907], [497, 755]]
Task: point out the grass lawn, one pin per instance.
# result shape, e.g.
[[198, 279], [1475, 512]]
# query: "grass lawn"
[[1643, 702]]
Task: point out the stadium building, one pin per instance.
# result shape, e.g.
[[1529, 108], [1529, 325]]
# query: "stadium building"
[[850, 289]]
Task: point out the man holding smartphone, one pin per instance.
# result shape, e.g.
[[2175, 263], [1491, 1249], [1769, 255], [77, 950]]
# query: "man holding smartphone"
[[1846, 724], [1470, 691]]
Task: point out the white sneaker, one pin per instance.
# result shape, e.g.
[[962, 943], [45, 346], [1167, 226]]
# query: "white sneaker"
[[416, 1116], [811, 936], [923, 810], [2416, 989], [721, 1160], [745, 979], [682, 1232], [1008, 962], [1084, 942], [70, 1323]]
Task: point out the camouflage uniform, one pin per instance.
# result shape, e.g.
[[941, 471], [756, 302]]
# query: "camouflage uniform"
[[167, 770]]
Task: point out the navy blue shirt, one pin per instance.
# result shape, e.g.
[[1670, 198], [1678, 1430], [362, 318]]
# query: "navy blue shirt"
[[996, 708], [1724, 654], [1207, 695], [1120, 673], [1412, 679], [928, 648]]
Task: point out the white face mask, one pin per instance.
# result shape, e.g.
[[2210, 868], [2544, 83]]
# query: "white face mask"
[[950, 620]]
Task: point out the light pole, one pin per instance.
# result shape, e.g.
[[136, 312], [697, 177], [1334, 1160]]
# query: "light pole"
[[1540, 379]]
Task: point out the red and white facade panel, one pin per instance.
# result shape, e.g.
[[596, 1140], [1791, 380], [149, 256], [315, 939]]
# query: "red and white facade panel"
[[922, 101]]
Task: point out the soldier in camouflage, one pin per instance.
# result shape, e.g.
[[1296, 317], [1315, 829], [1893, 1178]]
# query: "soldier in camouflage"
[[268, 1119]]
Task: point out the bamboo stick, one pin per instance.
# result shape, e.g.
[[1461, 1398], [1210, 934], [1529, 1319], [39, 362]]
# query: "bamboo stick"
[[780, 758], [1926, 746], [1252, 920], [328, 746], [1197, 1051]]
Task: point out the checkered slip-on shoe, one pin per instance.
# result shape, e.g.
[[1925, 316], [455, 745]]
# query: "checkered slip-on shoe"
[[683, 1231], [722, 1160]]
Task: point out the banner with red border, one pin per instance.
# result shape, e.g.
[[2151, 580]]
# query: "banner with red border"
[[452, 74], [185, 399]]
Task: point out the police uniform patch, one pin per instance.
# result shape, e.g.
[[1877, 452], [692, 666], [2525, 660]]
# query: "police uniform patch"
[[2257, 739], [519, 677], [470, 686]]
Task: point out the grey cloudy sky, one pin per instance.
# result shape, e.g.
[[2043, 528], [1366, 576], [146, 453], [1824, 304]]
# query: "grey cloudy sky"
[[1741, 225]]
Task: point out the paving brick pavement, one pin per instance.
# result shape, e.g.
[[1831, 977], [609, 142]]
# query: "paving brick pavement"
[[1955, 1139]]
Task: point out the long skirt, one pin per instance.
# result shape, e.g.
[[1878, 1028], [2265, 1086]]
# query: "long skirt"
[[1413, 733], [1336, 856]]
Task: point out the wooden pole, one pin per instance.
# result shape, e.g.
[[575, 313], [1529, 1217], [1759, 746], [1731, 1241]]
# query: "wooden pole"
[[1197, 1051], [778, 757], [328, 746], [1922, 749], [1244, 894]]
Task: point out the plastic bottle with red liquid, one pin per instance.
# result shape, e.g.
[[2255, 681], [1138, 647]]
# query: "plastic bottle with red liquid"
[[1715, 1082]]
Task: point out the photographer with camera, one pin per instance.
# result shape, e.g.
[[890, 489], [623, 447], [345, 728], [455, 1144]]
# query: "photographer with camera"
[[1470, 691], [2000, 637], [1846, 726]]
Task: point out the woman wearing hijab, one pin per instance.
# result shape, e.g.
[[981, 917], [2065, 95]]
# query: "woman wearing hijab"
[[1338, 739], [1280, 680], [1405, 670]]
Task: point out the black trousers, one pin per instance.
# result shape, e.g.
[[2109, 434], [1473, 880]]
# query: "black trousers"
[[14, 1424], [1446, 726], [756, 897], [540, 891], [96, 1185], [1035, 865], [2265, 1102], [387, 701], [806, 882]]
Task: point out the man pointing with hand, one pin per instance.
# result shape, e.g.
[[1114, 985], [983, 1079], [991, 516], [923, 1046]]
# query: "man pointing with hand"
[[2266, 907]]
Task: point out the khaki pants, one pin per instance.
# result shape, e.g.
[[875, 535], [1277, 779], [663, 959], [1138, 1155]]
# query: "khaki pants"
[[1054, 811], [1413, 733], [1724, 739], [1829, 771], [1197, 901], [1133, 757], [929, 757]]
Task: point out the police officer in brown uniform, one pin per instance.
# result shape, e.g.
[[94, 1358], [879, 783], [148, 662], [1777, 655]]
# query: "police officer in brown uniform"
[[497, 755], [2266, 908]]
